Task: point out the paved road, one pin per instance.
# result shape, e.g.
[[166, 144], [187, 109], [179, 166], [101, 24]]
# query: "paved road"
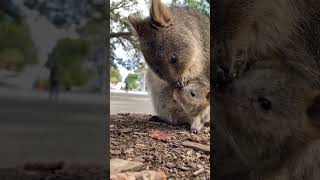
[[32, 128], [136, 103], [36, 129]]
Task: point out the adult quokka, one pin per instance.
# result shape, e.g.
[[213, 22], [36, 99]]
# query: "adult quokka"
[[175, 42]]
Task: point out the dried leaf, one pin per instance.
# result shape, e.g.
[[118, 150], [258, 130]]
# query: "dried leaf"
[[163, 136]]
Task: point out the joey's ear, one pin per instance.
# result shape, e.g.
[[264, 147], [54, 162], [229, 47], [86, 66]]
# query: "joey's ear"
[[161, 15], [313, 111], [135, 21]]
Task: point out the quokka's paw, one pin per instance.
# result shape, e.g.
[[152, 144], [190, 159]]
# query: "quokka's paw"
[[195, 130], [196, 127]]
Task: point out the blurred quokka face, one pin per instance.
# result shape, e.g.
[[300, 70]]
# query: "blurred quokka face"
[[276, 103], [193, 96], [169, 48]]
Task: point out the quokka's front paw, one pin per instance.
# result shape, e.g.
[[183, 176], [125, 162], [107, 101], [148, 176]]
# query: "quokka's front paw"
[[196, 127]]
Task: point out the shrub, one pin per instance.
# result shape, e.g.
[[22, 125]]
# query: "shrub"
[[15, 39], [11, 59], [71, 55]]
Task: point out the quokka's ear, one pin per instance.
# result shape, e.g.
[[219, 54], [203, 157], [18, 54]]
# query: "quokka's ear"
[[161, 15], [208, 96], [135, 22], [313, 111]]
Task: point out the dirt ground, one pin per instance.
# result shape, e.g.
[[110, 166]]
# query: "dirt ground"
[[54, 171], [160, 147]]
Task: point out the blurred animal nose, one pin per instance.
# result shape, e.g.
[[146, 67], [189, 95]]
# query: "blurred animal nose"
[[179, 84]]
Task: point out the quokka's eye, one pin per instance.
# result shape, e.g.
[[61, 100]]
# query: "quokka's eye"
[[192, 94], [265, 104], [158, 72], [173, 59]]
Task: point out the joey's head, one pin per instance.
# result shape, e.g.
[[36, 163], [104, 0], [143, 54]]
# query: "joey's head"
[[269, 108], [169, 48], [193, 97]]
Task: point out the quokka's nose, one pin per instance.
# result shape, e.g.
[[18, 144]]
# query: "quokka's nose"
[[178, 84]]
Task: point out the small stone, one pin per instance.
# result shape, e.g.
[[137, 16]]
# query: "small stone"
[[140, 175], [190, 152], [115, 152], [129, 151], [170, 165], [120, 165]]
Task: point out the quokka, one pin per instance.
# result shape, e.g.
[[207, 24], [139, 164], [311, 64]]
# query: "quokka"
[[175, 42]]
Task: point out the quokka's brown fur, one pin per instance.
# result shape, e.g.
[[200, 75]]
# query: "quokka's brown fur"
[[264, 28], [175, 42], [268, 117]]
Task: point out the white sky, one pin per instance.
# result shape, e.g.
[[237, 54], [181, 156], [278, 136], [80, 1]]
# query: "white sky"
[[119, 51]]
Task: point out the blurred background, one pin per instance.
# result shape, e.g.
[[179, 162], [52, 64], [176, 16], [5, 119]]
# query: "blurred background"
[[37, 35], [53, 81], [128, 89]]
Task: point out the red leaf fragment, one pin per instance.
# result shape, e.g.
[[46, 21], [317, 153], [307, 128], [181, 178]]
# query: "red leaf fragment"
[[160, 135]]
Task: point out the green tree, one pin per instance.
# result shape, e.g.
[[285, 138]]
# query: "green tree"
[[120, 34], [115, 75], [15, 40], [70, 54], [200, 5], [11, 59], [132, 79]]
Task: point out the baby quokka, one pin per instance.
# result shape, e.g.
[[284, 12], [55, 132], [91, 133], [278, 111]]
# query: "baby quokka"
[[189, 104]]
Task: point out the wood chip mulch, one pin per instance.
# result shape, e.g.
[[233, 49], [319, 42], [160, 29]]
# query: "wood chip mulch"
[[54, 171], [160, 147]]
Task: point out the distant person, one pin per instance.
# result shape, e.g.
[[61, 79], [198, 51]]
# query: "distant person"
[[55, 81], [127, 86]]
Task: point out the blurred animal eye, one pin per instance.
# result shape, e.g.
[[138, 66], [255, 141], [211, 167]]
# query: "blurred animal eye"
[[192, 94], [158, 72], [265, 104], [173, 59]]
